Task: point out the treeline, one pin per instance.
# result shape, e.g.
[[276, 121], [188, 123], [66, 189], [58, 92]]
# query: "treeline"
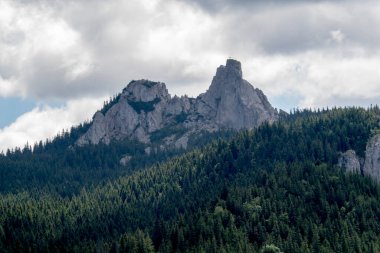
[[61, 167], [273, 189]]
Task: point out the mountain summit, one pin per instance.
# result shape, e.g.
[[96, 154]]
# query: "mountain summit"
[[145, 111], [236, 102]]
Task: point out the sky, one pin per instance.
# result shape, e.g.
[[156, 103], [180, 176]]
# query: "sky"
[[60, 59]]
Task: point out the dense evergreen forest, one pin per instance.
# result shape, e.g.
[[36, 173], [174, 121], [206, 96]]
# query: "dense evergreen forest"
[[61, 167], [274, 189]]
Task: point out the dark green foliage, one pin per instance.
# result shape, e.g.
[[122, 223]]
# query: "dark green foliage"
[[203, 138], [108, 104], [146, 83], [159, 135], [270, 249], [61, 167], [180, 118], [139, 106], [136, 243], [54, 167], [275, 189], [149, 84]]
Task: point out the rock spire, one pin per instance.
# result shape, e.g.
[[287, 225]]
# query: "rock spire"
[[144, 108]]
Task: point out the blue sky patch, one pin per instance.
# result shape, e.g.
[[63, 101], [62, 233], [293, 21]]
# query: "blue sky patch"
[[12, 108], [286, 101]]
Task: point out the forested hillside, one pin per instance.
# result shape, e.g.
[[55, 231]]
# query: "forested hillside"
[[61, 167], [274, 189]]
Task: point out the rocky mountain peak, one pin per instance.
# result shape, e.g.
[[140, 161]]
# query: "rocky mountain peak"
[[145, 91], [228, 76], [233, 67], [146, 112], [236, 102], [231, 71]]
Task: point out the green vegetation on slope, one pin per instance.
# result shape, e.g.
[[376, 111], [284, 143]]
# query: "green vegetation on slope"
[[60, 167], [146, 107], [274, 189]]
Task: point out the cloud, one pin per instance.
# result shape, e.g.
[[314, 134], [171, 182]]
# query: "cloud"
[[40, 54], [69, 49], [313, 53], [337, 36], [46, 122], [294, 28], [318, 79], [213, 6]]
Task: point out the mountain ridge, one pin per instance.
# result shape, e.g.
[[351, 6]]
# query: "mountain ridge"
[[146, 107]]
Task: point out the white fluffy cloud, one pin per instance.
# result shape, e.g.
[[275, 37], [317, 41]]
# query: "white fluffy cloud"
[[46, 122], [39, 51], [319, 80], [319, 53], [70, 48]]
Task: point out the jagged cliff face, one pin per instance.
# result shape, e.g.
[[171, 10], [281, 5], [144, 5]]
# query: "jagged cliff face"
[[235, 102], [144, 108], [137, 113], [372, 158], [370, 165], [350, 161]]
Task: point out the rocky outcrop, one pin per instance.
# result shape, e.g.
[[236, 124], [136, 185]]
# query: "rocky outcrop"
[[125, 160], [138, 112], [372, 158], [369, 166], [146, 112], [349, 161], [235, 102]]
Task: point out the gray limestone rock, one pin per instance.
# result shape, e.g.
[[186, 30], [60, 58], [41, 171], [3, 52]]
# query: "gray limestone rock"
[[182, 142], [145, 91], [236, 103], [178, 105], [125, 159], [96, 132], [137, 113], [145, 108], [372, 158], [148, 150], [350, 161]]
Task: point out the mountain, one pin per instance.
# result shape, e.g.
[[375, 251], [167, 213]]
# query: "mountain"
[[144, 109], [302, 182], [275, 188]]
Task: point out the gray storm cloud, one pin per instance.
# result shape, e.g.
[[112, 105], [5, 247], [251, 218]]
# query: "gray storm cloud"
[[307, 53], [68, 49]]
